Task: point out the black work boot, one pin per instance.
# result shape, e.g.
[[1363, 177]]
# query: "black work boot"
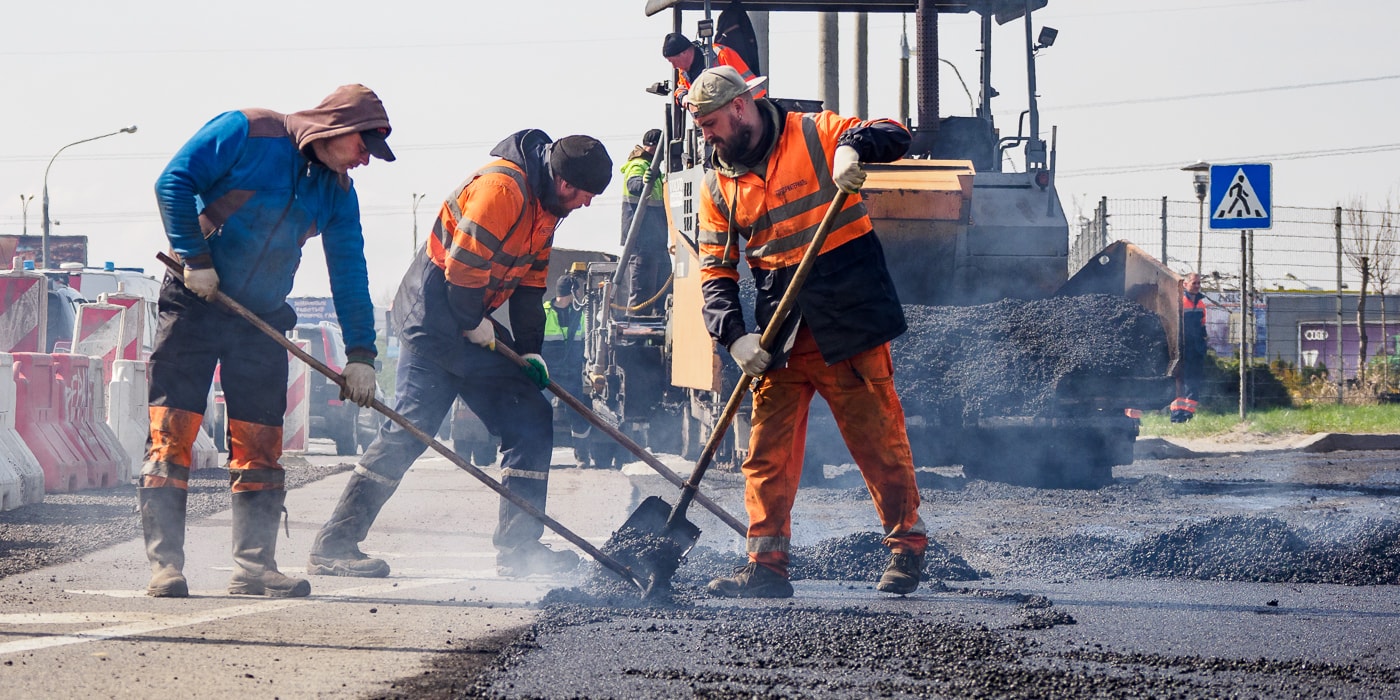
[[163, 521], [753, 580], [336, 551], [534, 557], [902, 574], [256, 515]]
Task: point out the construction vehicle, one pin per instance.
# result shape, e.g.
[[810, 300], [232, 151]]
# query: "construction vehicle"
[[958, 228]]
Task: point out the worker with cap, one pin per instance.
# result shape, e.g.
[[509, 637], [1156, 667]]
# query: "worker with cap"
[[690, 58], [237, 202], [775, 174], [650, 262], [1193, 350], [490, 244]]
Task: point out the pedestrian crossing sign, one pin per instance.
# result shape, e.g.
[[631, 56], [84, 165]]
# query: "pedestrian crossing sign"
[[1241, 196]]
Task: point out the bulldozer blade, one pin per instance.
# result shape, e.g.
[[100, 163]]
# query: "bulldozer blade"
[[652, 546]]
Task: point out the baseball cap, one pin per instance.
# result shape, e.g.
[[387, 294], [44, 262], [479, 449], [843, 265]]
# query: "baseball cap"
[[375, 143], [717, 87]]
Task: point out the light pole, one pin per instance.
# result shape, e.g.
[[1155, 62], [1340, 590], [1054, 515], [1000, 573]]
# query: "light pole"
[[24, 211], [1200, 177], [416, 199], [44, 247]]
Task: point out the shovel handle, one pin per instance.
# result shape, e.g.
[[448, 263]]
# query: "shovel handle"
[[622, 439], [766, 341], [616, 566]]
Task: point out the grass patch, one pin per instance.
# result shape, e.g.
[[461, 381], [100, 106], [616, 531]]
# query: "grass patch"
[[1321, 418]]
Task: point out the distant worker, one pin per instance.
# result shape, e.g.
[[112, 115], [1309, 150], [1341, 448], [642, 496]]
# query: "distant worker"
[[237, 202], [1193, 350], [563, 349], [491, 243], [839, 333], [690, 59], [650, 261]]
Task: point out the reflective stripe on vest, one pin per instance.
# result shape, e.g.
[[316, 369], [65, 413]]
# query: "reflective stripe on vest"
[[781, 231]]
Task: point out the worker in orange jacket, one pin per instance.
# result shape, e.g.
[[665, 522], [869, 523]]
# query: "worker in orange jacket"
[[1193, 350], [776, 172], [690, 59]]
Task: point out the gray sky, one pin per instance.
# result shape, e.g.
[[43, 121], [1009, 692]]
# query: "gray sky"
[[1137, 89]]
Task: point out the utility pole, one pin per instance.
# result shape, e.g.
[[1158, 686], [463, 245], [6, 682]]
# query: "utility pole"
[[416, 199], [24, 210]]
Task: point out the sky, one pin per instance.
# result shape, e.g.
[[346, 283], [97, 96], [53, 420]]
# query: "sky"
[[1136, 90]]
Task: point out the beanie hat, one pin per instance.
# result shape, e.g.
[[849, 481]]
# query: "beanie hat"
[[651, 138], [582, 162], [674, 45]]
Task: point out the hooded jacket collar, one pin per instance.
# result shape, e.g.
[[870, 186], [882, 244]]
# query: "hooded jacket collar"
[[529, 149]]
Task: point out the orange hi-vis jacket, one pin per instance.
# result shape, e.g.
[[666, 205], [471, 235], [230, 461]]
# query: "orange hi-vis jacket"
[[776, 216], [723, 56], [493, 236]]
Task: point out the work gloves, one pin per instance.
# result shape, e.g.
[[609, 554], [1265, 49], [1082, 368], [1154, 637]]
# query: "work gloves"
[[203, 282], [484, 334], [750, 355], [359, 383], [845, 169], [536, 369]]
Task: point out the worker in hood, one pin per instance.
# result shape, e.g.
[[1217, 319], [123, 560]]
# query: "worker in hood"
[[690, 59], [491, 243], [776, 173], [238, 201]]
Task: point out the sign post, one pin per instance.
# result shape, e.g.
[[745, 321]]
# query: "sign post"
[[1241, 198]]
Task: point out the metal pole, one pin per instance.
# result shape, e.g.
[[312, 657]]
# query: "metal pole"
[[904, 76], [1253, 322], [1244, 321], [1200, 234], [829, 59], [862, 65], [416, 199], [44, 246], [1341, 361], [1164, 231], [24, 211]]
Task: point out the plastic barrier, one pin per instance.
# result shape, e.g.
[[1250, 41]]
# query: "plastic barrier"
[[206, 455], [98, 419], [296, 424], [39, 421], [24, 312], [81, 378], [97, 333], [133, 324], [129, 414], [13, 451]]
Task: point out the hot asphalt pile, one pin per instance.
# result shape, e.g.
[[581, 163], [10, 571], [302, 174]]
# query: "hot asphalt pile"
[[1014, 358], [68, 525]]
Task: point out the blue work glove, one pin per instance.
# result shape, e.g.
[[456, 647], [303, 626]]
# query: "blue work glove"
[[536, 369]]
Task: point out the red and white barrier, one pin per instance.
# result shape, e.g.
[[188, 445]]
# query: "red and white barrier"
[[39, 421], [24, 312], [98, 418], [128, 414], [133, 323], [81, 379], [97, 333], [16, 459], [296, 424]]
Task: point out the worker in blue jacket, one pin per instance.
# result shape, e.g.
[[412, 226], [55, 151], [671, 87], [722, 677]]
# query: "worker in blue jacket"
[[238, 201]]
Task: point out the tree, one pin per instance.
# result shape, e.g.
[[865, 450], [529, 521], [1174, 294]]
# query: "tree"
[[1370, 248]]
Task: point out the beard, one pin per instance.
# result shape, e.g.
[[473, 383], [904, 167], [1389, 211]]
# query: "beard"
[[732, 149], [554, 207]]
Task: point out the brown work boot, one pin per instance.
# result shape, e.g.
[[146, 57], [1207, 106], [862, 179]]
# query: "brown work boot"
[[903, 573], [753, 580], [534, 557], [163, 523], [336, 551], [255, 520]]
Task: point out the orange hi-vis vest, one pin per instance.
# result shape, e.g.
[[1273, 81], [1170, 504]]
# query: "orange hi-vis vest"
[[1198, 307], [492, 235], [723, 56], [779, 215]]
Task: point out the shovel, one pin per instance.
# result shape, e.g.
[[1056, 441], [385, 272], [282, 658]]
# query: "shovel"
[[667, 528], [607, 561]]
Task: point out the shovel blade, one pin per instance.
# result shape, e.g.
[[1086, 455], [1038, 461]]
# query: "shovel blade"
[[650, 547]]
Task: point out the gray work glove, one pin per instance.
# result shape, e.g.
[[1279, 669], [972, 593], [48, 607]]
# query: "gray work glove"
[[359, 383], [748, 352], [484, 334], [845, 169], [204, 283]]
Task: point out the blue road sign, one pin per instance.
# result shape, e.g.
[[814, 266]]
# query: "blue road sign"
[[1241, 196]]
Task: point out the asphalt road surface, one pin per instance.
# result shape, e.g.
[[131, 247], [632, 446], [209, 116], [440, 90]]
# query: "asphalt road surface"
[[1243, 575]]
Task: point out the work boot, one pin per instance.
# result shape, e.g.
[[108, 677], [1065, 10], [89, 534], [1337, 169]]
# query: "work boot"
[[753, 580], [336, 551], [534, 558], [255, 519], [163, 521], [902, 574]]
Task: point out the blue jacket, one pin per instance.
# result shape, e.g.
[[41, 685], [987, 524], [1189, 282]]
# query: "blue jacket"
[[243, 195]]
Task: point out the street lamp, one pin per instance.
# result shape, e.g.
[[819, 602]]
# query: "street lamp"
[[44, 247], [1200, 171], [24, 211], [416, 199]]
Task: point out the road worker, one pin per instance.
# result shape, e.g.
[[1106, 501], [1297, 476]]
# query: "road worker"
[[690, 59], [238, 201], [775, 174], [650, 262], [563, 350], [491, 243], [1193, 350]]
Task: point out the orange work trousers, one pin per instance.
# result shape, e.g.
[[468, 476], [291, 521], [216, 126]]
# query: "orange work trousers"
[[861, 394]]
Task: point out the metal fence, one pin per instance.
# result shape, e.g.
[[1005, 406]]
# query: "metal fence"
[[1294, 273]]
